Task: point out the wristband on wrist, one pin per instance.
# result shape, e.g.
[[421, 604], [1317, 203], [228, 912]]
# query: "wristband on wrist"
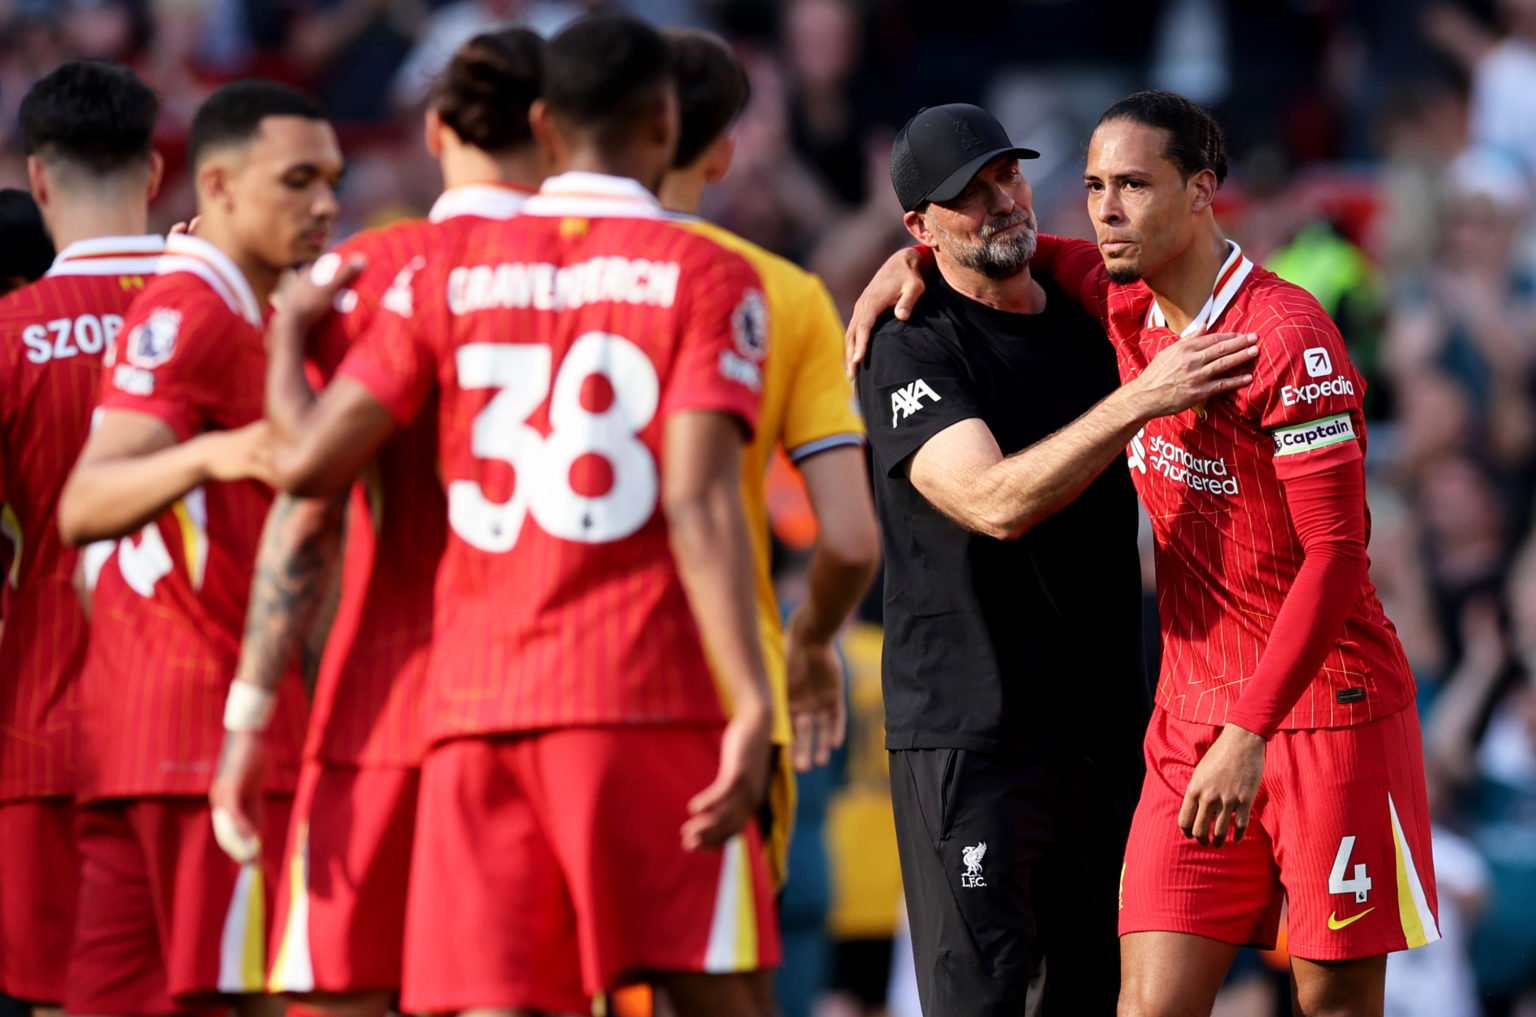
[[249, 707]]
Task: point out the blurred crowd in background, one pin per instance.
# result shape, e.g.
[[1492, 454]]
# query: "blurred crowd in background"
[[1384, 156]]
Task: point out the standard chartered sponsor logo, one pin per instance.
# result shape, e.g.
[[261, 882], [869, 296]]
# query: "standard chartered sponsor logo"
[[1314, 434], [1311, 392], [1157, 454]]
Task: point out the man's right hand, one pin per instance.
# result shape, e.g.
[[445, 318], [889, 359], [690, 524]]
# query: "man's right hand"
[[898, 284], [1193, 370]]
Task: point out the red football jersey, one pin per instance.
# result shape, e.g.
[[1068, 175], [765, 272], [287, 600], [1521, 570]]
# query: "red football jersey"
[[367, 705], [169, 606], [1210, 479], [558, 344], [52, 337]]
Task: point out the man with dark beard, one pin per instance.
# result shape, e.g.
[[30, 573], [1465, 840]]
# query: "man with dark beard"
[[1014, 689]]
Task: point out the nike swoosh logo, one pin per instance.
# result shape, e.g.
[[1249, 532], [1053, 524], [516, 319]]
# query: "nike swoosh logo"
[[1335, 923]]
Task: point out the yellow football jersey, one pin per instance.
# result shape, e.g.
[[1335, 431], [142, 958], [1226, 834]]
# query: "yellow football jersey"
[[807, 407]]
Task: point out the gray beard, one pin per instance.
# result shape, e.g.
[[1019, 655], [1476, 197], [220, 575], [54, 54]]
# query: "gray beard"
[[999, 258]]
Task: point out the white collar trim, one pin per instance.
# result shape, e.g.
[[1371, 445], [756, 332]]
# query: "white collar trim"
[[1228, 281], [135, 255], [594, 195], [190, 254], [486, 201]]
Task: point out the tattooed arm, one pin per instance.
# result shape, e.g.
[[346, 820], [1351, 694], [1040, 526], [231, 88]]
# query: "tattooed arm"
[[294, 566]]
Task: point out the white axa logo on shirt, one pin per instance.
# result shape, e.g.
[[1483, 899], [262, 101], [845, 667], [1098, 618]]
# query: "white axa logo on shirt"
[[908, 399], [1313, 435], [1311, 392], [1179, 465]]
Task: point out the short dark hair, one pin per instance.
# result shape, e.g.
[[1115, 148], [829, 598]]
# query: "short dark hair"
[[1195, 139], [712, 90], [98, 116], [485, 91], [25, 248], [604, 72], [232, 115]]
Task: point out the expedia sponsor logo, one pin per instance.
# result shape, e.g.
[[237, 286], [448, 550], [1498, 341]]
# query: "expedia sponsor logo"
[[1292, 395], [1314, 434], [1159, 455]]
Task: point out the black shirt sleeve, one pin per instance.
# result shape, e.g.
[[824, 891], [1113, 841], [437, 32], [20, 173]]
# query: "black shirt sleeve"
[[913, 384]]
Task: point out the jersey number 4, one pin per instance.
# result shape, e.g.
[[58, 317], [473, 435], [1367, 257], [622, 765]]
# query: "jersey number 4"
[[524, 378], [1359, 884]]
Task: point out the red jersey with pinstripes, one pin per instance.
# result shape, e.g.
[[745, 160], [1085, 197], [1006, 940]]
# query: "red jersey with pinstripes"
[[559, 344], [1211, 480], [52, 336], [367, 705], [168, 610]]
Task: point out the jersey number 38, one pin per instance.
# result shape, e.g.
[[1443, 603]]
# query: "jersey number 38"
[[523, 377]]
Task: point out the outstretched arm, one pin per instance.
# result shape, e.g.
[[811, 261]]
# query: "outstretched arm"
[[964, 474], [132, 468]]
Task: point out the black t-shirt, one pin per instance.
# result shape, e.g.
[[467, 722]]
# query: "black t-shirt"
[[1030, 645]]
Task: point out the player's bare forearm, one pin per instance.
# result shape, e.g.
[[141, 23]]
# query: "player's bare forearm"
[[289, 395], [701, 495], [294, 566], [847, 550], [128, 475], [111, 498], [339, 434]]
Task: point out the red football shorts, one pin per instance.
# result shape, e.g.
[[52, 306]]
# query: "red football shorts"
[[563, 845], [166, 920], [340, 919], [1339, 831], [39, 875]]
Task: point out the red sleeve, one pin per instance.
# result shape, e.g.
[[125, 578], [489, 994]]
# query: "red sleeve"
[[168, 363], [1327, 509], [1075, 266], [394, 361], [356, 305], [1305, 391], [719, 362]]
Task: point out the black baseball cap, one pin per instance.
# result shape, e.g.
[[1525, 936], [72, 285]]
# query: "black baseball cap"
[[939, 150]]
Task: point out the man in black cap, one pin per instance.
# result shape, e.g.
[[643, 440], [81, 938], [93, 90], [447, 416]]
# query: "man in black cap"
[[1015, 694]]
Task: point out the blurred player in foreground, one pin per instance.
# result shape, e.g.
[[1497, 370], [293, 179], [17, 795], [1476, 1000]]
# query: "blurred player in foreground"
[[87, 129], [596, 369], [166, 918], [340, 923]]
